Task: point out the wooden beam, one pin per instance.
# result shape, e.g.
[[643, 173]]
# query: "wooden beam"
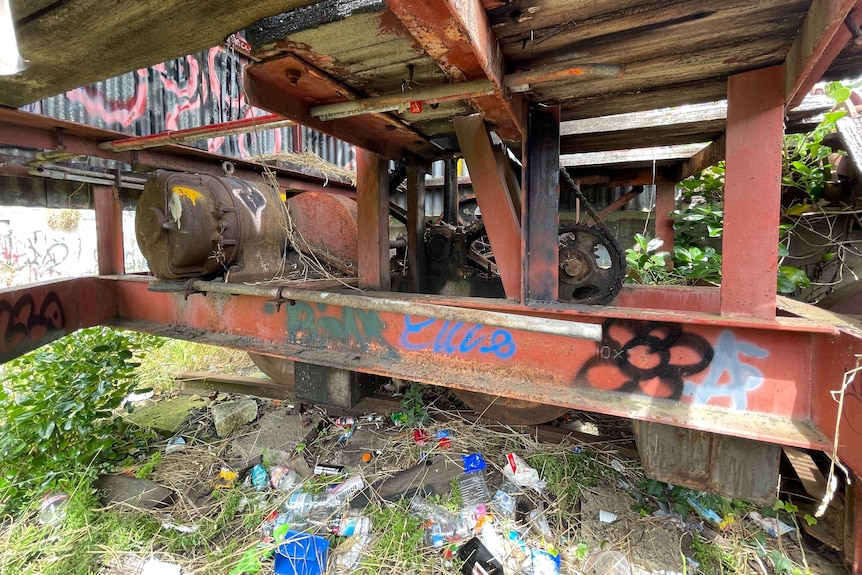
[[821, 39], [662, 153], [709, 156]]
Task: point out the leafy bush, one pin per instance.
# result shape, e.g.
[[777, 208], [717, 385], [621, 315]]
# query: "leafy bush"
[[57, 411]]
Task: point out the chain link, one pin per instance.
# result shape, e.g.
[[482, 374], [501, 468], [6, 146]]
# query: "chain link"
[[586, 204]]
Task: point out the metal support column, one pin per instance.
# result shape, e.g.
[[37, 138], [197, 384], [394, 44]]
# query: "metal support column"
[[492, 193], [540, 204], [450, 191], [415, 227], [109, 230], [664, 204], [755, 127], [372, 197]]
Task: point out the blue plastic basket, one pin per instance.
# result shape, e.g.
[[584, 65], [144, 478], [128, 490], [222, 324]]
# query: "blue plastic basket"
[[301, 554]]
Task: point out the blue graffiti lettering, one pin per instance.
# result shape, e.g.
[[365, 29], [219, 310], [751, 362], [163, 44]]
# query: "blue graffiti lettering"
[[741, 377], [444, 336]]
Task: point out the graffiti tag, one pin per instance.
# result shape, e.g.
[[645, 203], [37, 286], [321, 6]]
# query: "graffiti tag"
[[728, 376], [648, 358], [444, 336], [322, 325], [25, 322]]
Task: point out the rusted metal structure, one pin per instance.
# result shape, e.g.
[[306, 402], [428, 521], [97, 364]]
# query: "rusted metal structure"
[[734, 368]]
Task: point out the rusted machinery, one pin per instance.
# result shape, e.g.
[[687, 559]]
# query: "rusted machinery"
[[234, 231]]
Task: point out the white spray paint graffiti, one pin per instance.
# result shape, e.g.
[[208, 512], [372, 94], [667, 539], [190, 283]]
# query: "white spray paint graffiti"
[[741, 377], [31, 251]]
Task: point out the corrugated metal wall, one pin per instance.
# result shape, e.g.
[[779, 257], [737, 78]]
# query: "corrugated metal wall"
[[196, 90]]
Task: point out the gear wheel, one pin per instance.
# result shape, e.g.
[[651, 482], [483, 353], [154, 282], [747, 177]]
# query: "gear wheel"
[[592, 266]]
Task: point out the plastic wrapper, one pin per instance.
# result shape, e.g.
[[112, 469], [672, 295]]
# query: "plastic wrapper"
[[518, 472]]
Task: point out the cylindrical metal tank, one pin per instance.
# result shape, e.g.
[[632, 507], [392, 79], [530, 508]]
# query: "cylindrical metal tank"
[[192, 226]]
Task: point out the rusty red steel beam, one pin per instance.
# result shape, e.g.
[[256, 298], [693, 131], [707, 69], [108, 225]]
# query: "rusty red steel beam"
[[26, 130], [36, 314], [752, 192], [372, 198], [731, 379], [269, 87], [458, 36], [233, 127], [822, 37], [110, 251], [769, 381], [492, 193]]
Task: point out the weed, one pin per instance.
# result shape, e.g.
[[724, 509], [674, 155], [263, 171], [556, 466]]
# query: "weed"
[[399, 543], [147, 468], [159, 368], [57, 408]]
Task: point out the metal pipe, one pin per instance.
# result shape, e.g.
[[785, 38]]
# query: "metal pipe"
[[579, 330], [390, 102], [267, 122], [517, 82], [93, 178]]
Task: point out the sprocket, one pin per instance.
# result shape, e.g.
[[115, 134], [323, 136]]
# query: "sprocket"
[[592, 265]]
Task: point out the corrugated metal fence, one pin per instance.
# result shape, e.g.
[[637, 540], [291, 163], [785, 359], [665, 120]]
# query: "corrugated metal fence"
[[196, 90]]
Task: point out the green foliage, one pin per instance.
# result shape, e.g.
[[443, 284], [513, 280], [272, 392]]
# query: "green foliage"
[[645, 264], [694, 224], [147, 468], [569, 476], [806, 165], [57, 406], [413, 406], [695, 263], [708, 185]]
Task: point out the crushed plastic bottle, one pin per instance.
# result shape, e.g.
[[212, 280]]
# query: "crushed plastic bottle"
[[53, 508], [259, 477], [473, 489], [608, 562], [284, 478]]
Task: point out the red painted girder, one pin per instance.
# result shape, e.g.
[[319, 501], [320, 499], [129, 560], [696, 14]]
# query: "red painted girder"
[[372, 197], [492, 193], [821, 39], [27, 130], [754, 383], [36, 314], [269, 86], [109, 230], [752, 192], [458, 36]]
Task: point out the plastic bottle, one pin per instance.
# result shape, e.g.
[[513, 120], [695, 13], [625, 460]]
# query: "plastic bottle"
[[608, 562], [473, 488], [350, 524]]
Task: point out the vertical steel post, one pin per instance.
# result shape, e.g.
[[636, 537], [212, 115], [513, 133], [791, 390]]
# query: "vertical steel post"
[[450, 191], [109, 230], [416, 227], [664, 204], [541, 204], [752, 193], [372, 197]]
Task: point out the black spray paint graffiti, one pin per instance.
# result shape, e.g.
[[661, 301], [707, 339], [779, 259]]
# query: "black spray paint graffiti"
[[24, 324], [647, 358]]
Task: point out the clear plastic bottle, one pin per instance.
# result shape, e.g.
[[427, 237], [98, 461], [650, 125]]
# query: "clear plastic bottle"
[[473, 488]]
